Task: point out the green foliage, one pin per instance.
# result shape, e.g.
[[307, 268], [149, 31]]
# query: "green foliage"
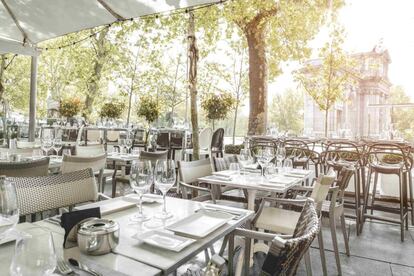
[[112, 109], [286, 111], [402, 118], [70, 107], [149, 109], [325, 79], [217, 106]]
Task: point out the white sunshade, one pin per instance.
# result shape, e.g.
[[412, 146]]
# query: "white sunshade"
[[35, 21]]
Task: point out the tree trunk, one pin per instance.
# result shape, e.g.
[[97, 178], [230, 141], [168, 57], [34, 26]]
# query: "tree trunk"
[[3, 65], [236, 110], [94, 80], [258, 74], [192, 79], [326, 122]]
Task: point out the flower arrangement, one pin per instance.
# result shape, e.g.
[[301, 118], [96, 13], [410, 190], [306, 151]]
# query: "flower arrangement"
[[70, 107], [148, 109], [217, 106], [112, 109]]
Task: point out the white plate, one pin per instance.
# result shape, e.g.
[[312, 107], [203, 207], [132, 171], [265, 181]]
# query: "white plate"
[[164, 240], [200, 224]]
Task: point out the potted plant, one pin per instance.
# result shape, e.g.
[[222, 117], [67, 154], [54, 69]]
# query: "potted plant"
[[149, 109], [217, 106], [69, 107], [112, 110]]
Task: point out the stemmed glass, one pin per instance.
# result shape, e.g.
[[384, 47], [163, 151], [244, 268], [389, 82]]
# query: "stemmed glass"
[[57, 145], [47, 144], [34, 255], [140, 179], [9, 212], [164, 173], [245, 158], [280, 154], [264, 156], [128, 144]]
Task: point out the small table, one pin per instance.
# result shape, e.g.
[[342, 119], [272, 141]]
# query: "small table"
[[252, 182]]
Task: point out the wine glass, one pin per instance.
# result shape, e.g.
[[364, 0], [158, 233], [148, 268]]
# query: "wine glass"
[[47, 144], [287, 165], [140, 179], [280, 154], [121, 144], [264, 156], [37, 154], [235, 167], [9, 212], [57, 145], [164, 174], [128, 144], [34, 255], [245, 158]]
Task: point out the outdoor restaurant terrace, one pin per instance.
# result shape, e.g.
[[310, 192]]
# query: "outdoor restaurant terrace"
[[143, 137]]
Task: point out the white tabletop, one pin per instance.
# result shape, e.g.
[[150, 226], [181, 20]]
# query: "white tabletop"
[[111, 261], [253, 182]]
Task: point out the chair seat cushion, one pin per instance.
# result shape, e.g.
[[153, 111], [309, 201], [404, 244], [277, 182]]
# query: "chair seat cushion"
[[278, 220]]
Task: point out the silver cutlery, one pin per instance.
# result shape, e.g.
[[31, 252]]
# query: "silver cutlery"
[[64, 267], [83, 267]]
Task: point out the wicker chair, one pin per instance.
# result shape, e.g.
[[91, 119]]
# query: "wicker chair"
[[285, 252], [39, 167], [284, 221], [77, 163], [38, 194]]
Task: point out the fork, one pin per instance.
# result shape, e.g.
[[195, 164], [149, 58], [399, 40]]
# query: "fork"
[[64, 267]]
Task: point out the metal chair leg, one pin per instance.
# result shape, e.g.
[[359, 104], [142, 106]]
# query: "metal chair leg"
[[402, 218], [410, 189], [332, 225], [308, 263], [374, 192], [346, 241], [322, 253]]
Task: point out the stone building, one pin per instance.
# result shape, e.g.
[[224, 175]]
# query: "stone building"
[[353, 116]]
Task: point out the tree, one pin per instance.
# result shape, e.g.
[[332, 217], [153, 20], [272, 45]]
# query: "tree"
[[287, 111], [325, 79], [275, 31], [217, 106], [402, 118]]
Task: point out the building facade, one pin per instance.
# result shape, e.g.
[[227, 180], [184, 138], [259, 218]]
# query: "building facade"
[[353, 116]]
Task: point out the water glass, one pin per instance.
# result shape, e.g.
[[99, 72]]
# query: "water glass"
[[287, 165], [34, 255], [66, 152], [140, 179], [235, 167], [9, 212], [128, 144], [37, 154], [164, 174], [245, 158]]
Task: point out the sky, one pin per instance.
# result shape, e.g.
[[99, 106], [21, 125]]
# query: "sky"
[[366, 22]]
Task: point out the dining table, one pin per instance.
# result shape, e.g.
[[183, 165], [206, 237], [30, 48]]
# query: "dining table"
[[133, 255], [252, 181]]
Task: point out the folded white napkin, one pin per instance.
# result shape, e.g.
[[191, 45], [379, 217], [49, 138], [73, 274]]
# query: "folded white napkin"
[[299, 172], [226, 173], [282, 180]]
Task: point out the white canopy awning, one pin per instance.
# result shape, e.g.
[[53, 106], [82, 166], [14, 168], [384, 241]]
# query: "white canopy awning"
[[24, 23]]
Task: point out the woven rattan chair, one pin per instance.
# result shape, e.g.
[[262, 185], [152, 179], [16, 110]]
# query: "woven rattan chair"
[[39, 167], [77, 163], [39, 194], [283, 220], [285, 252]]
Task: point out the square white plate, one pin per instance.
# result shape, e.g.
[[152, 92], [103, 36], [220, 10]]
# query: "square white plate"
[[200, 224], [164, 240]]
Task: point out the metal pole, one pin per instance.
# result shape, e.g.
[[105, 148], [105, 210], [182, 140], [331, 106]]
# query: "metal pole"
[[33, 94]]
